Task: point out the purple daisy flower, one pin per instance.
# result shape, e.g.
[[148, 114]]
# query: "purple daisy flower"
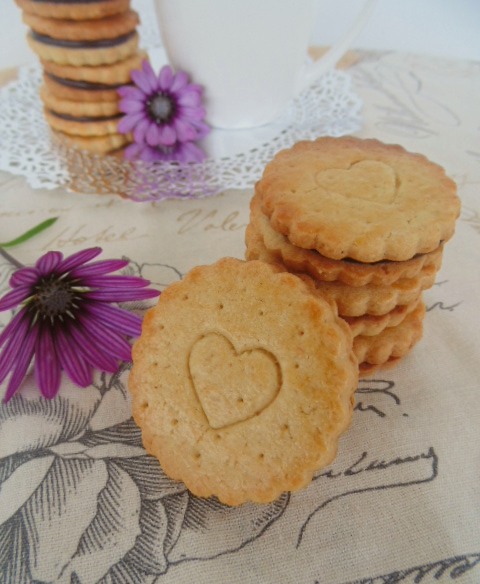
[[161, 110], [182, 152], [67, 321]]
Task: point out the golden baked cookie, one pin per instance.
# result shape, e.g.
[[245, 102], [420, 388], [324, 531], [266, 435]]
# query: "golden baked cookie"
[[373, 324], [95, 144], [395, 341], [88, 10], [109, 27], [78, 109], [355, 300], [242, 381], [87, 126], [359, 199], [79, 53], [71, 90], [320, 267], [368, 369], [114, 74]]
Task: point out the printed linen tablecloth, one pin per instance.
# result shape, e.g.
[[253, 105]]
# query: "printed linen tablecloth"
[[81, 502]]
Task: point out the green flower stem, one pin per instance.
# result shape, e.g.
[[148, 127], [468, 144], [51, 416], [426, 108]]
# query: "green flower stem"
[[30, 233], [10, 258]]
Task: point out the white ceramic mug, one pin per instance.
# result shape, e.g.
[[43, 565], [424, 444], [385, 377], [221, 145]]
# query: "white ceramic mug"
[[249, 55]]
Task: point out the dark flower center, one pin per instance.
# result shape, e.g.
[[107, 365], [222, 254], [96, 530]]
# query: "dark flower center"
[[161, 108], [54, 299]]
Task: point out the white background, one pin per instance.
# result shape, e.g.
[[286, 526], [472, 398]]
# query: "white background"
[[448, 28]]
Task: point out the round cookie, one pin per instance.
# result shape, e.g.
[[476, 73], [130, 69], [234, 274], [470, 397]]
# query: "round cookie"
[[83, 30], [70, 90], [78, 109], [372, 324], [95, 144], [87, 10], [355, 300], [87, 126], [242, 381], [393, 342], [368, 369], [114, 74], [79, 53], [359, 199], [320, 267]]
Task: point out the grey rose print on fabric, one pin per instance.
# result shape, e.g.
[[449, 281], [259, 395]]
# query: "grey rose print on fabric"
[[81, 501]]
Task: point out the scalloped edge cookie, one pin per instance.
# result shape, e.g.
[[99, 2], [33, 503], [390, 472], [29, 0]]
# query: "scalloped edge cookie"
[[393, 342], [96, 144], [109, 27], [78, 109], [86, 55], [394, 205], [354, 301], [320, 267], [114, 73], [279, 447], [74, 11]]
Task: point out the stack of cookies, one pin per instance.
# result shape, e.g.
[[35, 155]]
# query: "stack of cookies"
[[367, 222], [87, 49]]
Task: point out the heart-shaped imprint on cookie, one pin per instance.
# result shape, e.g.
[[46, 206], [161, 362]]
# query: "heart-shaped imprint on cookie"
[[370, 180], [232, 386]]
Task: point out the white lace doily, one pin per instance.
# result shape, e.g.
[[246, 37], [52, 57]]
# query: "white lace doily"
[[234, 159]]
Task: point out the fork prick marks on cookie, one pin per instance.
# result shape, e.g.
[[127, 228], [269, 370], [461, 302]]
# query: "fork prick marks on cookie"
[[232, 386], [370, 180]]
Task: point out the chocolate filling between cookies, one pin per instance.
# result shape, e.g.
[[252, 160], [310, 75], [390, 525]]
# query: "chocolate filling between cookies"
[[83, 84], [84, 118], [97, 44]]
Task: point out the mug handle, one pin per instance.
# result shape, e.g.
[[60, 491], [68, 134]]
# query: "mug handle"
[[328, 61]]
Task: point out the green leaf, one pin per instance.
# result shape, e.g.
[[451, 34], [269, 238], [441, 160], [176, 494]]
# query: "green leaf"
[[30, 233]]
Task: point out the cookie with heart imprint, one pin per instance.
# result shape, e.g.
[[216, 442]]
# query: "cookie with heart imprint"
[[358, 199], [242, 381]]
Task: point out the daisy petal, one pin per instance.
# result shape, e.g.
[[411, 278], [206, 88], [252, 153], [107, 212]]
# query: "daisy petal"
[[47, 366], [48, 262], [14, 297], [24, 277], [150, 76], [108, 341], [168, 136], [22, 363], [115, 318], [79, 258], [195, 114], [133, 152], [185, 131], [121, 295], [179, 82], [141, 80], [91, 352], [165, 78], [140, 132], [131, 106], [99, 268], [128, 123], [192, 153], [152, 135], [79, 371], [189, 98], [131, 92], [114, 281], [11, 328], [11, 351]]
